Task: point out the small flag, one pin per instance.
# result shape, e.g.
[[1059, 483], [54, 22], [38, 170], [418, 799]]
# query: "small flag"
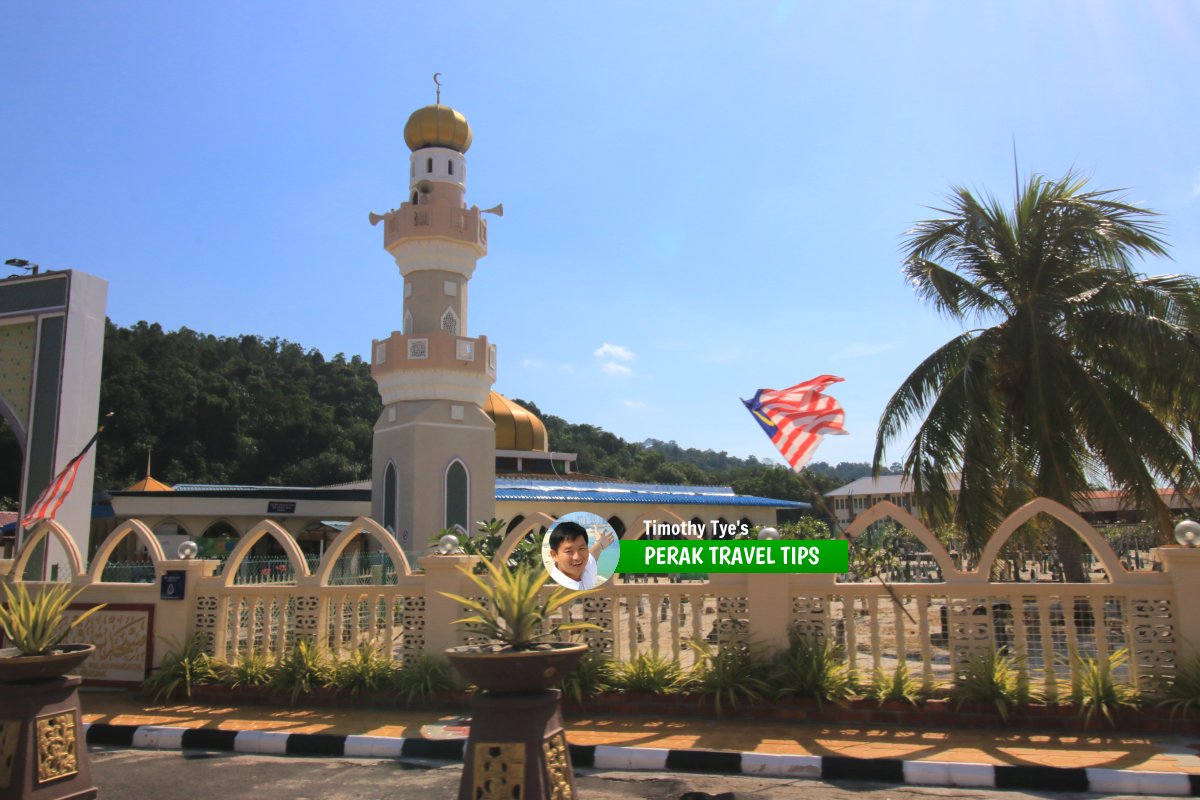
[[55, 493], [798, 417]]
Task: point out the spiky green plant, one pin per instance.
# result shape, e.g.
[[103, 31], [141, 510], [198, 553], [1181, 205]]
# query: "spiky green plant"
[[899, 686], [814, 668], [186, 665], [1183, 693], [1096, 690], [36, 624], [367, 669], [251, 669], [420, 677], [595, 674], [513, 611], [647, 672], [306, 667], [994, 676], [729, 675]]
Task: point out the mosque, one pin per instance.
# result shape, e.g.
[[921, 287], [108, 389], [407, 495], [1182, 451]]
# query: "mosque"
[[448, 452]]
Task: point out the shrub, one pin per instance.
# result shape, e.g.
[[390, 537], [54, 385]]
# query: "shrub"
[[1184, 692], [184, 666], [251, 669], [900, 686], [306, 667], [595, 674], [648, 672], [812, 668], [729, 674], [368, 669], [994, 676], [422, 676], [1096, 691]]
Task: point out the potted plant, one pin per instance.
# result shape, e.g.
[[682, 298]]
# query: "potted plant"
[[39, 701], [514, 616], [36, 625]]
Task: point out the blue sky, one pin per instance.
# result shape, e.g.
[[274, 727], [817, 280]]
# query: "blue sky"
[[701, 199]]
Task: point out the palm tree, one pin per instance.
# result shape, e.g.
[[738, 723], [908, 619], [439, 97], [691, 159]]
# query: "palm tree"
[[1086, 371]]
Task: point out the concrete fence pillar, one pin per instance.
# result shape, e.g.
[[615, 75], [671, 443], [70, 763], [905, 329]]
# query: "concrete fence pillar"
[[768, 596], [1182, 566], [442, 575], [175, 608]]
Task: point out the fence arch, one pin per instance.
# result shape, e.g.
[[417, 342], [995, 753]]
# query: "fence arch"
[[41, 531], [139, 530], [285, 539], [1044, 505], [373, 530], [637, 528], [514, 537], [886, 508]]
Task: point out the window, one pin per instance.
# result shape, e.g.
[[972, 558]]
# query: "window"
[[429, 165], [450, 166], [450, 322], [456, 496], [408, 322], [389, 497]]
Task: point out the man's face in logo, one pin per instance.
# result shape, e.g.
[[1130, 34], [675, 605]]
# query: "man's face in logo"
[[571, 557]]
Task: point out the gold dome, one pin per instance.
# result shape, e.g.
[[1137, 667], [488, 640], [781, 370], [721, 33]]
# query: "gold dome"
[[516, 427], [437, 126]]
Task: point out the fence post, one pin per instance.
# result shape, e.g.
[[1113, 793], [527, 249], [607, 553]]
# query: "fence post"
[[442, 575], [1182, 566], [769, 606], [175, 620]]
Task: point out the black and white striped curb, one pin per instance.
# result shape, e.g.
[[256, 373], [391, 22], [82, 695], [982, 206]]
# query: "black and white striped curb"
[[875, 770]]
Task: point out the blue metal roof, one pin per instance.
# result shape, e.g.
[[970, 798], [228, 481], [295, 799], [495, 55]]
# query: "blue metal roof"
[[646, 493], [532, 489]]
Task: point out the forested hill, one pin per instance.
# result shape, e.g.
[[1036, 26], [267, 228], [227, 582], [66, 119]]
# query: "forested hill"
[[248, 410]]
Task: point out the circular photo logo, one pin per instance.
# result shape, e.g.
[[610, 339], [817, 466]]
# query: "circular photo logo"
[[581, 550]]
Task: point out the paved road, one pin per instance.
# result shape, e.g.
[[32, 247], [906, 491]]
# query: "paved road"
[[226, 776]]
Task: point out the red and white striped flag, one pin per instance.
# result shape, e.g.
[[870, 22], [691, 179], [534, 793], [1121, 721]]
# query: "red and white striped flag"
[[797, 418], [55, 493]]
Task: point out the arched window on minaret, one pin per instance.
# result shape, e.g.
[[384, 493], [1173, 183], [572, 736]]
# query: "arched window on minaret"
[[408, 322], [389, 497], [450, 322], [457, 488]]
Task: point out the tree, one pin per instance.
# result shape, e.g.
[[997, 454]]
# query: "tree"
[[1086, 369]]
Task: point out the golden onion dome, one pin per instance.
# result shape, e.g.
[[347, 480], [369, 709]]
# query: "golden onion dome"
[[437, 126], [516, 428]]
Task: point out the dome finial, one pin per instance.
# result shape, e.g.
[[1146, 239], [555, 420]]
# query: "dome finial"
[[439, 87]]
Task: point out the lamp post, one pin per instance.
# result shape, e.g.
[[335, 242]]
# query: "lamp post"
[[21, 263]]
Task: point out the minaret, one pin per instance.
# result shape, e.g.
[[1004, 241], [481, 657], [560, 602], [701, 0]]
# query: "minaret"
[[434, 454]]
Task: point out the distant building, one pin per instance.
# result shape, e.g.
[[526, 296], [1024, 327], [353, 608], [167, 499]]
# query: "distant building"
[[1100, 508]]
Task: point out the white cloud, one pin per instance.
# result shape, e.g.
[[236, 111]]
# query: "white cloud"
[[613, 368], [614, 351], [531, 363], [1196, 186], [864, 349], [633, 404], [568, 368]]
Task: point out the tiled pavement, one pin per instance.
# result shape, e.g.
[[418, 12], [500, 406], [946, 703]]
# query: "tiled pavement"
[[651, 739]]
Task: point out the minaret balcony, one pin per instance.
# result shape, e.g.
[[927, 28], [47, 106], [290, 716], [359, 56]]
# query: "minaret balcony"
[[435, 221], [437, 350]]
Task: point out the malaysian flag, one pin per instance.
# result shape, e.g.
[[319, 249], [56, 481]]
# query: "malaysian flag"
[[798, 417], [55, 493]]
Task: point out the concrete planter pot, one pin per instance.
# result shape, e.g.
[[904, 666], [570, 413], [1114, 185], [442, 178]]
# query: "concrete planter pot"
[[17, 668], [516, 671]]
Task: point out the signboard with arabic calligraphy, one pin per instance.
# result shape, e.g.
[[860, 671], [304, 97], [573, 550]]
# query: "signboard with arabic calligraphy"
[[123, 634]]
